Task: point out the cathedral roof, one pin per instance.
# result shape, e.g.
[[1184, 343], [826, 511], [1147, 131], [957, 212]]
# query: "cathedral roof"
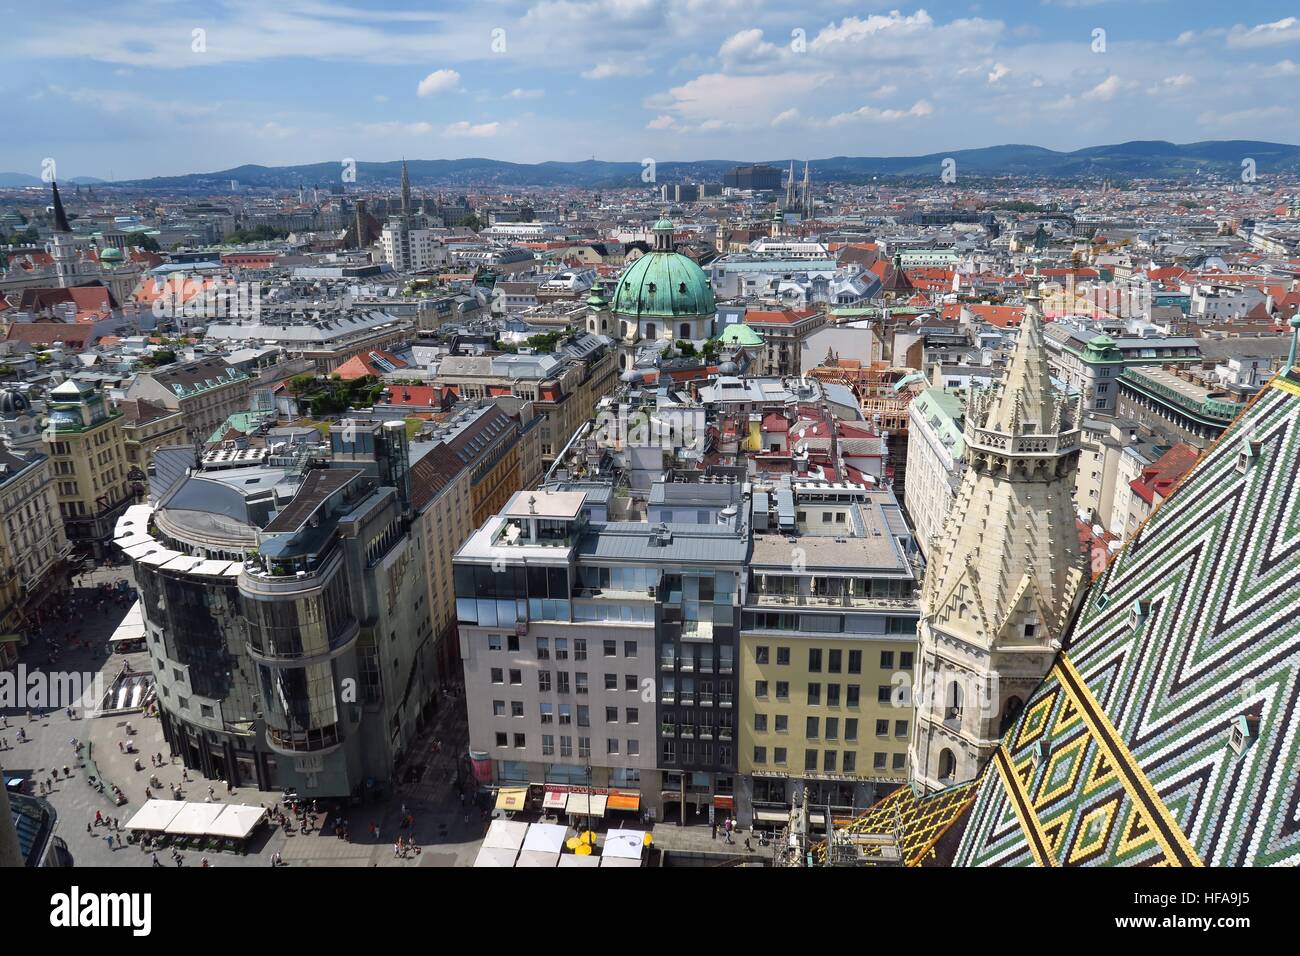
[[1165, 732]]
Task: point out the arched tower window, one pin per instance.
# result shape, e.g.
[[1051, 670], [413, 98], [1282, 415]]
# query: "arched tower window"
[[685, 331], [947, 765]]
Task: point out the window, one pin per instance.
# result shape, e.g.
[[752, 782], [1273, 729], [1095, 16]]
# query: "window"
[[580, 682], [882, 728], [783, 657], [544, 681], [760, 689], [566, 746], [884, 694], [850, 761], [899, 761], [629, 682], [579, 649], [886, 660], [760, 755], [851, 728], [562, 685], [566, 714], [634, 748], [611, 648], [498, 676], [782, 690], [516, 677], [629, 648], [494, 642], [900, 728], [611, 715], [760, 655], [611, 682], [503, 739], [782, 723], [520, 741], [498, 708], [851, 695], [543, 649], [548, 713], [561, 648], [814, 694], [778, 756], [548, 745], [670, 752], [832, 728], [832, 695], [632, 715], [516, 708], [833, 661], [584, 747], [905, 660], [811, 731], [584, 716], [611, 745], [878, 761], [814, 660], [810, 761], [760, 723], [828, 761]]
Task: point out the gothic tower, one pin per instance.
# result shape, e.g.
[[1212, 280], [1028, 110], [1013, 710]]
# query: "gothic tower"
[[1006, 570], [63, 246], [406, 218], [807, 196]]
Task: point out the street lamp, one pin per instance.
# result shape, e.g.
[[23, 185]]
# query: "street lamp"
[[588, 769]]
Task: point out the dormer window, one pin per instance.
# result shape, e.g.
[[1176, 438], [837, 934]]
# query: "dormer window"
[[1138, 614]]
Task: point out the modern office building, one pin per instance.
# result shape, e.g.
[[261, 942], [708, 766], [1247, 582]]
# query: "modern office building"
[[828, 649], [286, 611]]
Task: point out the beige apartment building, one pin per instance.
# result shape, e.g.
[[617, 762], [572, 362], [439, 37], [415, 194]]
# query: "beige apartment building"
[[206, 392], [87, 449], [32, 547]]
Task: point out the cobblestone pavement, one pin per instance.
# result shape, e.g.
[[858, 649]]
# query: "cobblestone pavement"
[[445, 836]]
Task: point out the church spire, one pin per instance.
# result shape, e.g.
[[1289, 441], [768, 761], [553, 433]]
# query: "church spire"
[[60, 217], [1025, 396], [1004, 574]]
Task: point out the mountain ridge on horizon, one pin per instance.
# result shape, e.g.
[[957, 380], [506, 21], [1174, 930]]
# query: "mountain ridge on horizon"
[[1151, 159]]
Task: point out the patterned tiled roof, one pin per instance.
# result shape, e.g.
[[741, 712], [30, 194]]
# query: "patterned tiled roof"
[[1165, 734]]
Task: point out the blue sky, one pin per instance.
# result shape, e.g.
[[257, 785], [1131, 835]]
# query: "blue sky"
[[130, 89]]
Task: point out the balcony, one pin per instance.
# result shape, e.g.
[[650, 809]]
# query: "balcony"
[[726, 668], [697, 630], [724, 733], [667, 663], [688, 666], [706, 732], [766, 599], [706, 666], [668, 729], [687, 731], [668, 697], [724, 700], [706, 700]]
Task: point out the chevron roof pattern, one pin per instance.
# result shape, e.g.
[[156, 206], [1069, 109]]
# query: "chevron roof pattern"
[[1125, 754]]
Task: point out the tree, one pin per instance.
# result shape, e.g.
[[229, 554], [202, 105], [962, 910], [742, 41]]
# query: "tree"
[[142, 241], [471, 222]]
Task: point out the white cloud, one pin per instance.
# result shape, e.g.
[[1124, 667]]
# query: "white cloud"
[[920, 108], [613, 68], [1283, 68], [1286, 30], [998, 72], [522, 94], [1106, 90], [439, 81], [473, 130], [1172, 84], [396, 128], [785, 117]]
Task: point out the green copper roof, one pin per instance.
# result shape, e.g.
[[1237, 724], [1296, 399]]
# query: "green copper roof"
[[664, 223], [663, 285], [740, 334]]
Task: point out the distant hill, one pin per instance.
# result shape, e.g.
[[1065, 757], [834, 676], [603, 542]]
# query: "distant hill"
[[1147, 159], [18, 180]]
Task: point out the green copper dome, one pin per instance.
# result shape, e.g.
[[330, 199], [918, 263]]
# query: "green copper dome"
[[664, 223], [111, 254], [740, 334], [663, 285]]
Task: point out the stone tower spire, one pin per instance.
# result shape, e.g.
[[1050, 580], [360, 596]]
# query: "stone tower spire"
[[806, 193], [63, 245], [1006, 570], [789, 187]]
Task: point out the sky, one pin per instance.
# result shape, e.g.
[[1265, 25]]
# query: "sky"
[[148, 87]]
